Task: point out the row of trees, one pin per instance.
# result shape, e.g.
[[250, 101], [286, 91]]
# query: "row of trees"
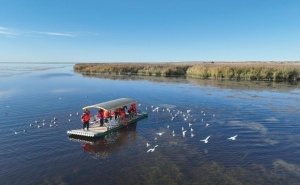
[[238, 71]]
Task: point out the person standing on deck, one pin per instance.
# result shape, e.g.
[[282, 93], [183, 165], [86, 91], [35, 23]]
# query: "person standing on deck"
[[101, 116], [85, 118]]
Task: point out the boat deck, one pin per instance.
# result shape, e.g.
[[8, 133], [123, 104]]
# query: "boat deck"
[[96, 131]]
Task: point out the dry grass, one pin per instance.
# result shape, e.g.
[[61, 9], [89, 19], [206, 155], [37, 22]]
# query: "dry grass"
[[273, 71]]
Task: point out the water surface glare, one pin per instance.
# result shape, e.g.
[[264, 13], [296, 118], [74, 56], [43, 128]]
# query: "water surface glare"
[[264, 116]]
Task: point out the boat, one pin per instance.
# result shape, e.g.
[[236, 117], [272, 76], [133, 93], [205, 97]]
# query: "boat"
[[95, 130]]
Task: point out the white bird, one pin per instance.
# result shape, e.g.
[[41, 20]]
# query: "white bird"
[[155, 138], [14, 131], [31, 125], [207, 124], [152, 149], [51, 125], [168, 126], [183, 133], [173, 132], [190, 124], [192, 129], [36, 121], [139, 104], [24, 130], [38, 126], [160, 133], [192, 135], [233, 137], [205, 140], [148, 145], [182, 129], [172, 118], [69, 120], [214, 115], [201, 119], [70, 115], [188, 111]]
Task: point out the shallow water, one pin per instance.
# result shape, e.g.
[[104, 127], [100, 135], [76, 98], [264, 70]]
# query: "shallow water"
[[266, 118]]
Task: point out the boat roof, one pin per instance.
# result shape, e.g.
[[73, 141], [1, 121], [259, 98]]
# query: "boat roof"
[[111, 105]]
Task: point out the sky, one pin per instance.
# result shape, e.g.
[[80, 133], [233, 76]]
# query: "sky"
[[149, 30]]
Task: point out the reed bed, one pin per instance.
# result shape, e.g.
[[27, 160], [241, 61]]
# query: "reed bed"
[[145, 69], [269, 71]]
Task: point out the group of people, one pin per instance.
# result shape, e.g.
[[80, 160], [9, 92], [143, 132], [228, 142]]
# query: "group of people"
[[105, 115]]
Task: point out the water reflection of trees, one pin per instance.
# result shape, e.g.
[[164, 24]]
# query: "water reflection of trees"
[[226, 84], [103, 146]]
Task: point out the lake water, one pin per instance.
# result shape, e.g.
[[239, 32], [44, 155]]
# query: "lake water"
[[265, 116]]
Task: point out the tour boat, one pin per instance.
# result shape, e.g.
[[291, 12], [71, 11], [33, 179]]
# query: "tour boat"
[[95, 130]]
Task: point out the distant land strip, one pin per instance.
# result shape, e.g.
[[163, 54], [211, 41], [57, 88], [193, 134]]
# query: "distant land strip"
[[268, 71]]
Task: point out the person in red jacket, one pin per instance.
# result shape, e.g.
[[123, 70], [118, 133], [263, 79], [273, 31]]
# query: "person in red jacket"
[[101, 116], [85, 118]]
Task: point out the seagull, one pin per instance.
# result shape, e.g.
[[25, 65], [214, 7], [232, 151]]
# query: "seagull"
[[192, 135], [188, 111], [36, 121], [205, 140], [160, 133], [38, 126], [139, 104], [31, 125], [182, 129], [69, 120], [152, 149], [155, 138], [70, 115], [148, 145], [77, 113], [233, 137], [207, 124], [24, 130], [190, 124], [201, 119], [14, 131], [173, 132], [192, 129], [183, 133], [168, 126]]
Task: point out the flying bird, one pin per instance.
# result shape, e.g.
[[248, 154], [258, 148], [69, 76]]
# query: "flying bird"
[[160, 133], [152, 149], [233, 137], [205, 140]]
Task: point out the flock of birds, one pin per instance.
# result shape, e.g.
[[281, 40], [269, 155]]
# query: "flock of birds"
[[44, 123], [173, 114], [186, 116]]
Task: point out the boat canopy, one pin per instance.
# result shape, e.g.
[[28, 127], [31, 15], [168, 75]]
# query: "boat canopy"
[[111, 105]]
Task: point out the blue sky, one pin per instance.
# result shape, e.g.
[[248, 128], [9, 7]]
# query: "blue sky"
[[149, 31]]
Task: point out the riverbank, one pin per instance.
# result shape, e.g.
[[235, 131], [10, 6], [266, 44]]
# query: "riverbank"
[[271, 71]]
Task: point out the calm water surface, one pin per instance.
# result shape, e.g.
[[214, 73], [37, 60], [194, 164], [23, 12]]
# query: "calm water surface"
[[266, 118]]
